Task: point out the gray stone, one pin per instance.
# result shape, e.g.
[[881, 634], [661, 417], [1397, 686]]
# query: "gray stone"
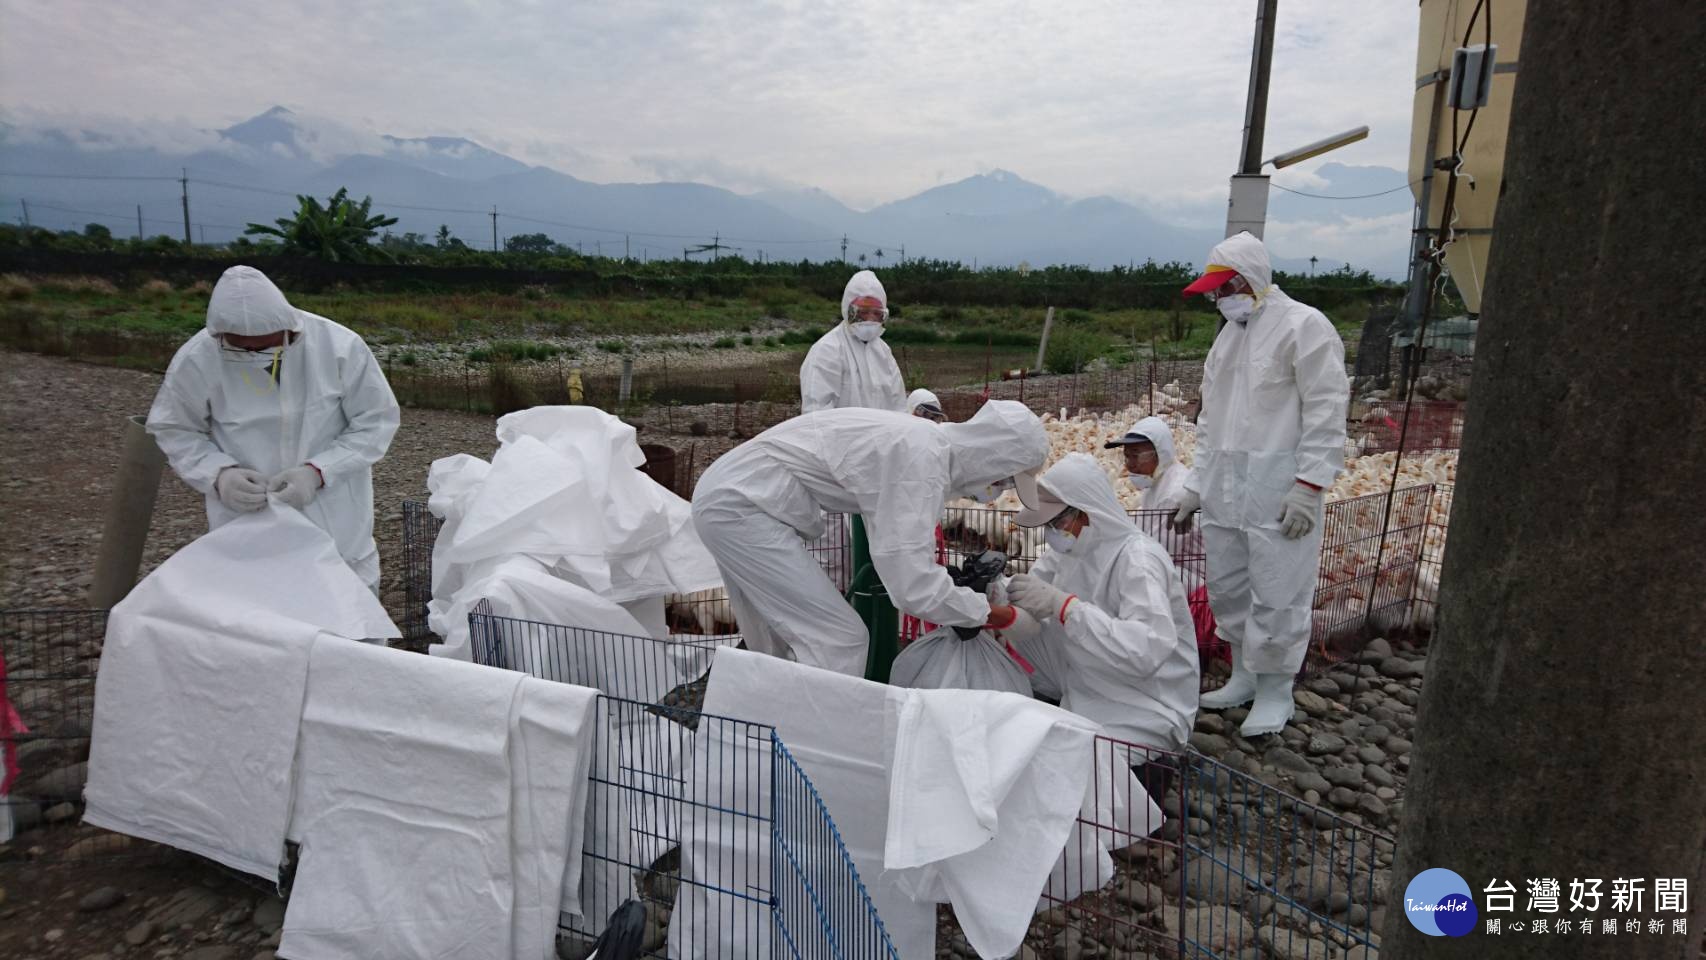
[[1372, 805], [1285, 759], [1140, 895], [1346, 682], [264, 955], [1371, 754], [217, 951], [60, 812], [1287, 945], [140, 934], [1323, 686], [1338, 902], [1398, 747], [65, 783], [97, 846], [1343, 776], [1199, 827], [1325, 743], [1343, 797], [1236, 714], [238, 914], [1386, 793], [1214, 928], [1377, 732], [1376, 651], [1312, 781], [1379, 776], [1356, 916], [1211, 723], [269, 914], [1311, 703], [104, 898], [1209, 744]]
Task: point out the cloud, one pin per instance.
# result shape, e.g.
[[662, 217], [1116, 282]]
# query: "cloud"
[[709, 170]]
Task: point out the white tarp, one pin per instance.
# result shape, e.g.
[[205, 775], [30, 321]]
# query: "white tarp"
[[563, 489], [438, 805], [201, 681]]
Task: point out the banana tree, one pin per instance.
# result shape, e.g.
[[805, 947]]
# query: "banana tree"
[[338, 231]]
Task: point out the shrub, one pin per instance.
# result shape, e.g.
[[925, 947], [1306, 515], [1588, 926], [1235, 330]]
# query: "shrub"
[[14, 287], [95, 285], [911, 333], [611, 346], [998, 338], [507, 391], [408, 358], [1068, 350], [724, 343], [156, 288], [747, 340], [1076, 316]]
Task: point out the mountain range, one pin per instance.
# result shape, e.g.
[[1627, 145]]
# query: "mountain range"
[[249, 172]]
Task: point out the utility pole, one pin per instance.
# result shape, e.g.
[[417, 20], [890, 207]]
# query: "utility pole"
[[1247, 207], [494, 228], [201, 228], [139, 221], [844, 248], [903, 254], [185, 183], [625, 247], [26, 205], [1533, 750]]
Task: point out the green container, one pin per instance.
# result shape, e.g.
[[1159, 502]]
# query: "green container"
[[870, 601]]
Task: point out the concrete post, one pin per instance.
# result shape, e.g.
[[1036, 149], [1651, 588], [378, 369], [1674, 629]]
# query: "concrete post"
[[128, 516]]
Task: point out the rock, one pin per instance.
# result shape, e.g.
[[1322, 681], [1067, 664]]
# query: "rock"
[[1379, 776], [1311, 703], [1341, 776], [1140, 896], [97, 846], [1209, 881], [25, 815], [1214, 929], [218, 951], [1357, 916], [269, 914], [1377, 732], [241, 913], [53, 936], [1338, 902], [1371, 754], [1211, 723], [1323, 686], [1386, 793], [141, 933], [1397, 668], [1236, 714], [104, 898], [1209, 744], [1312, 781], [1376, 651], [1372, 805], [1199, 827], [1346, 682], [264, 955], [65, 783], [1343, 797], [1398, 747], [59, 812], [187, 907], [1289, 945], [1325, 743]]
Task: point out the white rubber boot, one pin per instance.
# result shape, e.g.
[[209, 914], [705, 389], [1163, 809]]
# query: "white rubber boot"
[[1273, 707], [1239, 688]]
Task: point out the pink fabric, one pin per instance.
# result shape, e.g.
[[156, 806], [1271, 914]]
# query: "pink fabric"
[[11, 725]]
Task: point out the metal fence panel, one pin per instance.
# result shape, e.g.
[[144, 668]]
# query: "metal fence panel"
[[420, 532]]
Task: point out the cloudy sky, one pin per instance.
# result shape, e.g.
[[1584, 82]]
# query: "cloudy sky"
[[872, 101]]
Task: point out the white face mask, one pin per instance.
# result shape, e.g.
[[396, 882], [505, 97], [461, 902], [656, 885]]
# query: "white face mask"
[[1238, 308], [1141, 481], [866, 330], [1059, 540]]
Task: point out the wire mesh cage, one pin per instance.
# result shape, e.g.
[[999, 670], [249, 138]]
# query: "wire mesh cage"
[[1368, 579], [48, 661], [706, 820], [420, 532], [1261, 866]]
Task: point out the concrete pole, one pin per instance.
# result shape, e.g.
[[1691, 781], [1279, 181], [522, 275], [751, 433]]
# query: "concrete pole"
[[128, 516], [1042, 345], [1561, 732], [626, 387]]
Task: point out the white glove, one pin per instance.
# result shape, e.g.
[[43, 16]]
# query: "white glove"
[[1182, 517], [1302, 506], [1023, 629], [241, 489], [296, 486], [1036, 596]]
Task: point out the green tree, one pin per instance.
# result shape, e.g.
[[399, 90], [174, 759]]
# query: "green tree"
[[98, 234], [529, 243], [339, 231]]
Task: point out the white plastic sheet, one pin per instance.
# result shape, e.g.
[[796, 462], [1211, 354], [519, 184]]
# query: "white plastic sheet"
[[201, 684], [940, 660]]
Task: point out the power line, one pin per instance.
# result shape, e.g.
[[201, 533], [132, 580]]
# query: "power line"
[[1362, 196], [74, 176]]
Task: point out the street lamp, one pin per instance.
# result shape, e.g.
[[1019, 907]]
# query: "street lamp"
[[1248, 207]]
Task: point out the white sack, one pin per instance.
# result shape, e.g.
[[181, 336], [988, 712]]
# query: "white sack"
[[200, 687], [940, 660]]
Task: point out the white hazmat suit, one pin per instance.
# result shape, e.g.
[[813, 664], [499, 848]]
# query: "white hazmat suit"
[[755, 504], [329, 406], [1274, 398], [1126, 655], [840, 370]]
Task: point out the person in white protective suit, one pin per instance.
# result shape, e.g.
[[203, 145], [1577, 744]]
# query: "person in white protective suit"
[[923, 403], [1105, 621], [272, 400], [755, 504], [851, 366], [1270, 440]]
